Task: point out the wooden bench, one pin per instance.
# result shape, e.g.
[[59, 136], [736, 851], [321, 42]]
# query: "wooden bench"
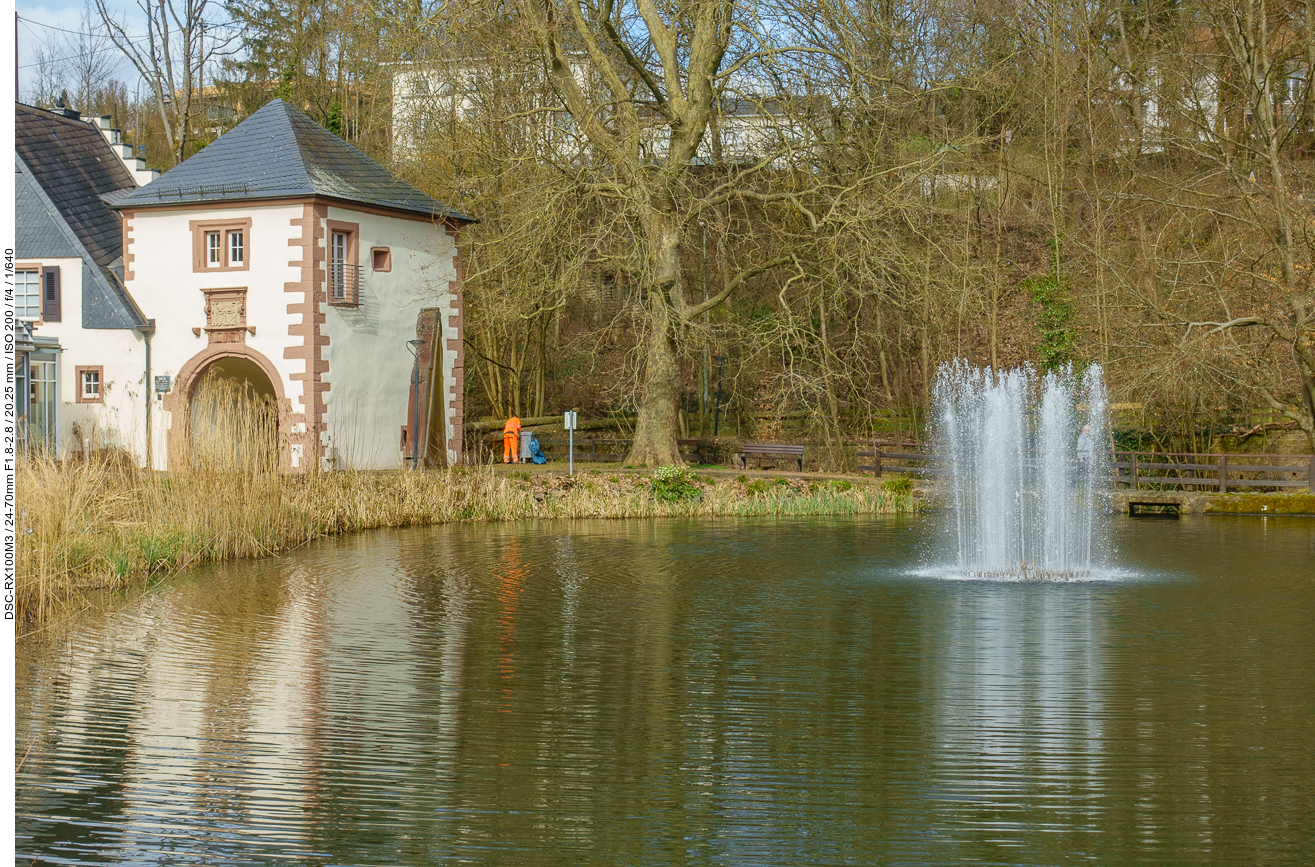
[[772, 452]]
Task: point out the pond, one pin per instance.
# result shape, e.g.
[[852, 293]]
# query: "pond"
[[738, 692]]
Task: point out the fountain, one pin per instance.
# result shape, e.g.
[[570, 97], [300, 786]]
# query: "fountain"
[[1024, 497]]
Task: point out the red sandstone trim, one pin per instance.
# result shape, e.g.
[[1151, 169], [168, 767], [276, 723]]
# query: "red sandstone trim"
[[310, 289], [457, 347], [128, 257]]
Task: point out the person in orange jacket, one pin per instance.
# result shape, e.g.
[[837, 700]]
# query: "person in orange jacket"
[[511, 441]]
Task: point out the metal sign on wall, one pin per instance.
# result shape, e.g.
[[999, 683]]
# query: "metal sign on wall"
[[163, 384]]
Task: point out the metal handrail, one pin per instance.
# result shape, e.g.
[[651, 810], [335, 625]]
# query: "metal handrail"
[[344, 284]]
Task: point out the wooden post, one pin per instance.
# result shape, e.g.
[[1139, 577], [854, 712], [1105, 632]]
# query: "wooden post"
[[1310, 475], [876, 459], [1223, 474], [1132, 484]]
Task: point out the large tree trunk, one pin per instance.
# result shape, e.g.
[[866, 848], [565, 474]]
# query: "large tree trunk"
[[655, 429], [659, 405]]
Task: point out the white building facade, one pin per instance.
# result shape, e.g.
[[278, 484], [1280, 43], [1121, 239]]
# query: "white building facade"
[[283, 257], [81, 385]]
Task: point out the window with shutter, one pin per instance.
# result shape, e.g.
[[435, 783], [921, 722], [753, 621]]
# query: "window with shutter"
[[50, 294], [27, 294]]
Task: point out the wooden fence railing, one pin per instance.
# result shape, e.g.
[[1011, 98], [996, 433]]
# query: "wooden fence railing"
[[587, 449], [911, 462], [1135, 469], [1213, 472]]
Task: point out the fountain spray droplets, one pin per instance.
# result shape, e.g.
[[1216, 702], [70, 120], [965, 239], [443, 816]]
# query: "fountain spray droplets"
[[1023, 494]]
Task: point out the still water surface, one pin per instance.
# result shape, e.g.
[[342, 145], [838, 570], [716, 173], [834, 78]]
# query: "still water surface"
[[751, 692]]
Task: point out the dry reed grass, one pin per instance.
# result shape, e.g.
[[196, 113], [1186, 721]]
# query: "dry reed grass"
[[89, 529]]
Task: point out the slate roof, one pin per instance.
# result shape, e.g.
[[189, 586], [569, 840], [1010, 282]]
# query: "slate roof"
[[62, 168], [37, 232], [74, 165], [279, 152]]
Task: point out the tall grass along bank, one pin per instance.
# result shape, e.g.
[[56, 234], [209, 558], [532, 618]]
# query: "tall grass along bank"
[[92, 528]]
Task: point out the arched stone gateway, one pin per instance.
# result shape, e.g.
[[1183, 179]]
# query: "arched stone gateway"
[[227, 406]]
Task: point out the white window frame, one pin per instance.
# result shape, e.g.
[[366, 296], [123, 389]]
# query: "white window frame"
[[92, 378], [339, 244], [221, 245], [35, 296]]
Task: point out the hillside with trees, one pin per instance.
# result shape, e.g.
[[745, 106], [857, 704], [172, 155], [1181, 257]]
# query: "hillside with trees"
[[1065, 183]]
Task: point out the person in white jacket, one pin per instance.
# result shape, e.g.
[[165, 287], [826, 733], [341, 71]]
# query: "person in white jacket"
[[1084, 444]]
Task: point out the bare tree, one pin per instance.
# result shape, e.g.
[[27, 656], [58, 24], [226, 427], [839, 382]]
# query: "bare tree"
[[49, 78], [642, 81], [92, 62], [1056, 183], [183, 38], [1219, 169]]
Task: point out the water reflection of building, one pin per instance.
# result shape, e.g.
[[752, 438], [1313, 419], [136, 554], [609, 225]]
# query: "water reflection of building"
[[228, 730]]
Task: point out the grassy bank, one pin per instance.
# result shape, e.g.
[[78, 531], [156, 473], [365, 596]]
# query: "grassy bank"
[[91, 529], [1261, 504]]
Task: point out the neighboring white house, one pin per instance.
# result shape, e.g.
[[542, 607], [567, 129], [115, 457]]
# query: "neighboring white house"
[[282, 256], [80, 375], [744, 129]]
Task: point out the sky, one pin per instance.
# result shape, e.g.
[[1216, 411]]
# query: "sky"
[[68, 16]]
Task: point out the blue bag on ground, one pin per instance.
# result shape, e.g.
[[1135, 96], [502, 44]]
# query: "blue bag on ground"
[[536, 454]]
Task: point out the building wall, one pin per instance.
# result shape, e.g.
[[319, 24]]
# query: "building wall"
[[342, 374], [159, 274], [368, 365], [118, 421]]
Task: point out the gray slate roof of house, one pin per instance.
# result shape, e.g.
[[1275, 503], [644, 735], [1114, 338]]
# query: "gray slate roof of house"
[[38, 234], [280, 152], [75, 166], [62, 168]]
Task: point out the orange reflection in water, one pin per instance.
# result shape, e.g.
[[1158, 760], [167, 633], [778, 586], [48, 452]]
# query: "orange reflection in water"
[[511, 584]]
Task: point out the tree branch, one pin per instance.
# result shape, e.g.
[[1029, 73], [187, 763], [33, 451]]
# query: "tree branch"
[[688, 312]]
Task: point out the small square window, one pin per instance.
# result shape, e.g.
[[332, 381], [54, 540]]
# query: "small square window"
[[89, 384], [381, 259], [235, 248]]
